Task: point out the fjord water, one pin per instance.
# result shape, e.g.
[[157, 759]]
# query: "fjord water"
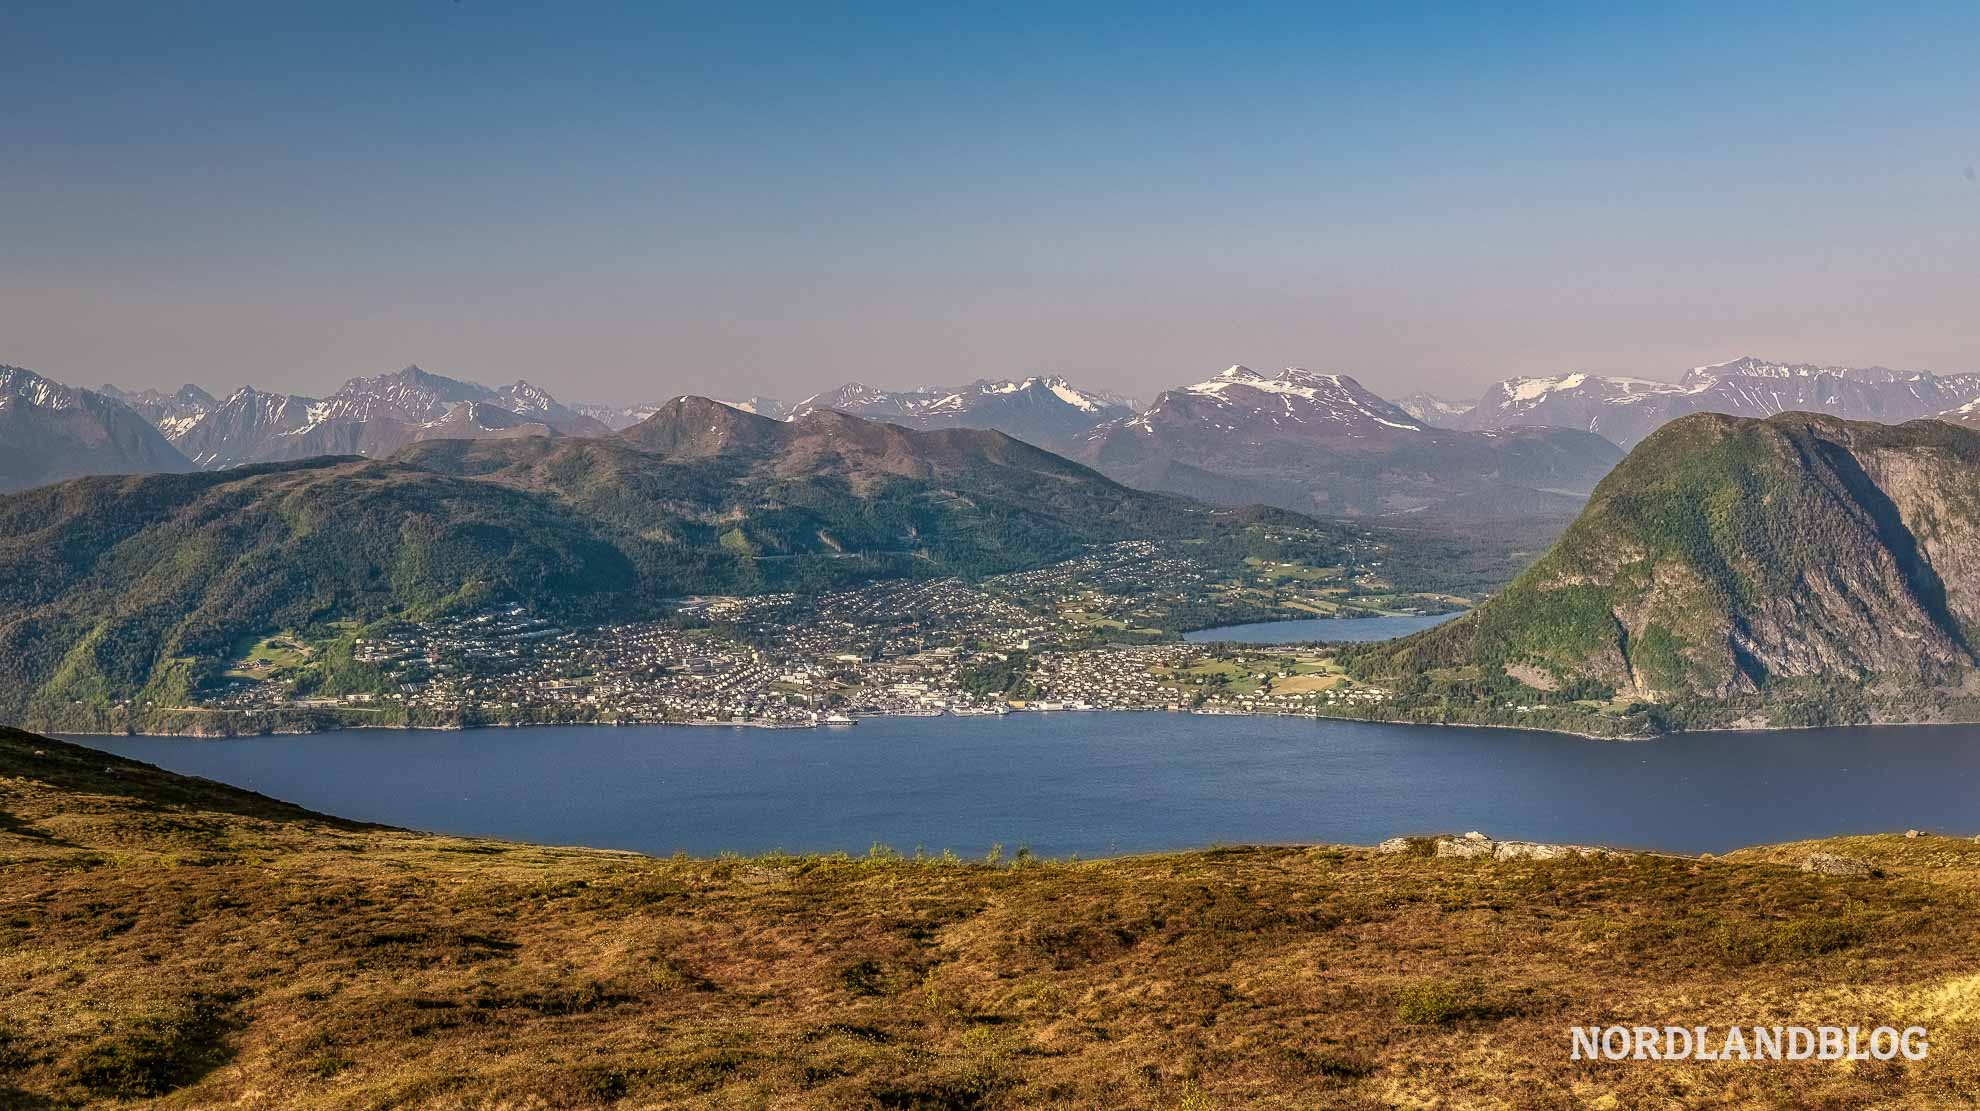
[[1317, 629], [1101, 783]]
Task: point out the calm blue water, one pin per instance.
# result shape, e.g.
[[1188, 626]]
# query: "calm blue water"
[[1102, 783], [1317, 629]]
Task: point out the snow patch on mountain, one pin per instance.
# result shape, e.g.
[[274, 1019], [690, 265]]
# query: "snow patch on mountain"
[[19, 385], [1627, 409], [1330, 397]]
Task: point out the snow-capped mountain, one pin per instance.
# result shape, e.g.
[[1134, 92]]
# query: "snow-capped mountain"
[[49, 432], [1747, 366], [616, 417], [1626, 410], [860, 399], [1328, 404], [374, 416], [236, 430], [762, 407], [1322, 443], [1968, 414], [1437, 412], [377, 415], [535, 403], [170, 413], [411, 396], [1042, 409], [479, 420]]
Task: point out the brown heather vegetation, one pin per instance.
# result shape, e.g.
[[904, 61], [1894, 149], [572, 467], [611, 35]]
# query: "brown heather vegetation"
[[172, 940]]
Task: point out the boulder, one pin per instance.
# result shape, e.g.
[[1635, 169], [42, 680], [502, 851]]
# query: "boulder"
[[1534, 850], [1477, 846], [1466, 846], [1834, 864]]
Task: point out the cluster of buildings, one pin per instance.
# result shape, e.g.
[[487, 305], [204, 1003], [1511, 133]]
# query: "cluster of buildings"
[[1023, 641]]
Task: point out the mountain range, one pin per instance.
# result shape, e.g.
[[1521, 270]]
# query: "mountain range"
[[1048, 411], [368, 416], [190, 428], [1529, 450], [1625, 410], [1323, 443], [1735, 560], [1045, 410]]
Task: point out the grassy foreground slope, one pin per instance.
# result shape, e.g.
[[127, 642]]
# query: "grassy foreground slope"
[[172, 939]]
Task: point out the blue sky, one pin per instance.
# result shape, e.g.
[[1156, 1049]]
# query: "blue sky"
[[632, 201]]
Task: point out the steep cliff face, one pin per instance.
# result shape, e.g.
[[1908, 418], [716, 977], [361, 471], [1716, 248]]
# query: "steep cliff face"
[[1726, 554]]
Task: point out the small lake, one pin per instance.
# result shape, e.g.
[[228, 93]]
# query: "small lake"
[[1334, 629], [1101, 783]]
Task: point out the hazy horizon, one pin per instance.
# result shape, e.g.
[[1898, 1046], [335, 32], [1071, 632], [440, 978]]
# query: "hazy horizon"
[[633, 202], [1465, 395]]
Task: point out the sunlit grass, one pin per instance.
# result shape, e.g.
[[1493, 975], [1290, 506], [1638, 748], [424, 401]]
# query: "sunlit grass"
[[165, 935]]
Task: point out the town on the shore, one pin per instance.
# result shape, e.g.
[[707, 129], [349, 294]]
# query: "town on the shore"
[[1055, 639]]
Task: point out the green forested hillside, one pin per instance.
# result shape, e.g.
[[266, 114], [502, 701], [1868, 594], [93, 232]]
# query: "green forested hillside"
[[704, 497], [114, 588], [1739, 561]]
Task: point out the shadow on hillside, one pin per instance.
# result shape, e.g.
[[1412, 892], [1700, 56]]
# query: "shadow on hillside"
[[9, 824], [72, 767], [1919, 575]]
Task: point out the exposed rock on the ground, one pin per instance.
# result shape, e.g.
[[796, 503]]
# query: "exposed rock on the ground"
[[1834, 864], [1477, 845]]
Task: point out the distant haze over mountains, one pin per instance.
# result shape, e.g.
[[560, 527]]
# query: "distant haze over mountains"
[[49, 432], [1317, 442], [1433, 410], [368, 416], [1043, 410], [1322, 443], [1625, 410]]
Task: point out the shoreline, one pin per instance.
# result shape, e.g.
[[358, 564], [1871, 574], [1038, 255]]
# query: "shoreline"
[[1622, 738]]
